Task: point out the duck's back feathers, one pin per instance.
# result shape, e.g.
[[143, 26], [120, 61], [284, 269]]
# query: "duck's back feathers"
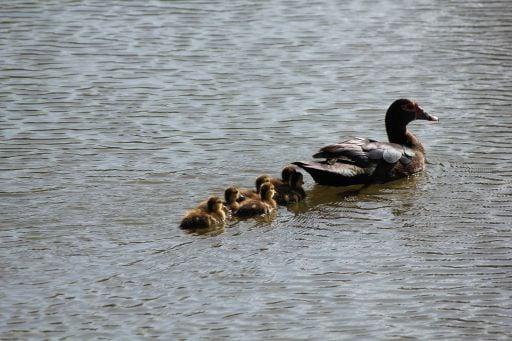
[[363, 152], [197, 219], [349, 150], [335, 174]]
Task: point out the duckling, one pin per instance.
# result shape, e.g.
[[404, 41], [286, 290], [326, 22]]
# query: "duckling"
[[285, 176], [232, 198], [291, 192], [198, 218], [254, 194], [256, 207], [296, 182]]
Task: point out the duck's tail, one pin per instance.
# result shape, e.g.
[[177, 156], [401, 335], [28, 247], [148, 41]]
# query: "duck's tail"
[[337, 174]]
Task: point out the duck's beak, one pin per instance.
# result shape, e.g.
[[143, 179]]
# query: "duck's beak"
[[422, 115]]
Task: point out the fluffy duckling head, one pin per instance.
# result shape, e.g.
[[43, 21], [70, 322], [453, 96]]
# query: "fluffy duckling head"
[[214, 205], [287, 172], [296, 180], [232, 195], [267, 191], [260, 180]]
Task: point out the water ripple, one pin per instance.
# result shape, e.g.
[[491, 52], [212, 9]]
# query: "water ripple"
[[117, 117]]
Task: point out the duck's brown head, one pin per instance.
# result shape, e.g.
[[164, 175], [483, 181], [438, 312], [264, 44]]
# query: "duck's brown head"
[[260, 180], [402, 111], [267, 191], [287, 172], [232, 195], [214, 205]]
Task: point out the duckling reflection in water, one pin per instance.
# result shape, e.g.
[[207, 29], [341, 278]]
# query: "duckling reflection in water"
[[292, 192], [205, 218], [254, 194], [257, 207]]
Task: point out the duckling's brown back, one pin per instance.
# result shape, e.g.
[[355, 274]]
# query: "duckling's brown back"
[[196, 220], [251, 208]]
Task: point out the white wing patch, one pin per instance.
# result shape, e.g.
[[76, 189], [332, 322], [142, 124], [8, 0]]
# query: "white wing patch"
[[391, 155]]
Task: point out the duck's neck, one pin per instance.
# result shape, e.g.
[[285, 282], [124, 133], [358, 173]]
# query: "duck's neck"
[[222, 215], [402, 135], [233, 204], [270, 201]]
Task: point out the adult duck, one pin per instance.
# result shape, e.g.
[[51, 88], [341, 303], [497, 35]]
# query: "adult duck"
[[362, 161]]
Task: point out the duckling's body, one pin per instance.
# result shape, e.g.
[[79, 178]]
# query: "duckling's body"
[[362, 161], [291, 192], [200, 218], [257, 207]]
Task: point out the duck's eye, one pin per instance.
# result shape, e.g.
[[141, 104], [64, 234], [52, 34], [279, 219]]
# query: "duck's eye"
[[409, 107]]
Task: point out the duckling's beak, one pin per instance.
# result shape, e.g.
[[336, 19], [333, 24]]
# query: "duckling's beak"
[[240, 198], [422, 115]]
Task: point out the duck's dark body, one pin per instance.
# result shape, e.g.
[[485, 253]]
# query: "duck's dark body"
[[363, 161], [335, 175]]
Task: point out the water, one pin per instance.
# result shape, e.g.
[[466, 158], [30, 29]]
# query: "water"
[[116, 117]]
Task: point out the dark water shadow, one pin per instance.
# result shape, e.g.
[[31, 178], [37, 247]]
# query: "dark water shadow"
[[324, 195]]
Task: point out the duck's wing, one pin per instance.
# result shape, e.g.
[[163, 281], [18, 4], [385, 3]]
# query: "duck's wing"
[[349, 151], [388, 152], [365, 152], [337, 173]]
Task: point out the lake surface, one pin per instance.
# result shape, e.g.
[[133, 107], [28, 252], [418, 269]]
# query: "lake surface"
[[116, 117]]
